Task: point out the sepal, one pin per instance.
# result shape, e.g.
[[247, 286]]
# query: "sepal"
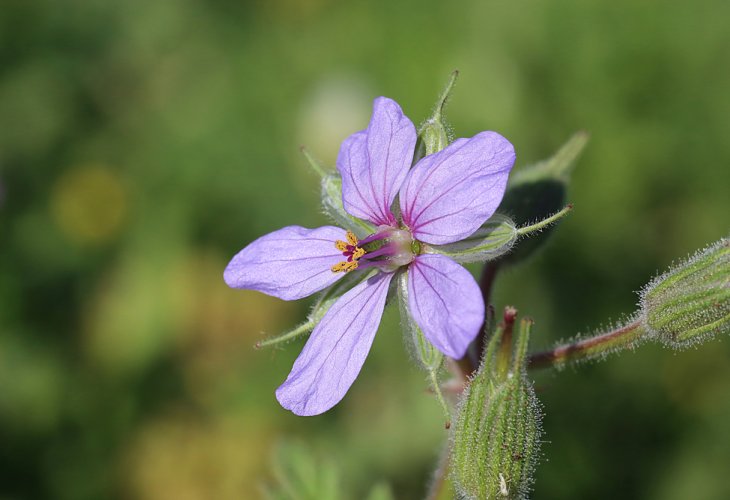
[[495, 238], [325, 300], [331, 195], [433, 135], [538, 191]]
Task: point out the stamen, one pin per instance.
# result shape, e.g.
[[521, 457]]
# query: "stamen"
[[351, 250], [388, 249], [351, 238], [344, 266]]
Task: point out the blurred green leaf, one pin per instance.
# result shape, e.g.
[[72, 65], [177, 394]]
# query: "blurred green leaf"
[[299, 475]]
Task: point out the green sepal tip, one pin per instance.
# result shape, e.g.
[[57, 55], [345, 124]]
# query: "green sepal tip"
[[433, 134]]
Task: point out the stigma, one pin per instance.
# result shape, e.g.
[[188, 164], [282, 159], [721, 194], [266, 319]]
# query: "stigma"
[[388, 249]]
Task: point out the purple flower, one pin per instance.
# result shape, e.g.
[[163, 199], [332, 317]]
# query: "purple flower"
[[444, 198]]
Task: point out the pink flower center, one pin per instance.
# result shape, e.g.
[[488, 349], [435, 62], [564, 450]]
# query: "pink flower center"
[[388, 248]]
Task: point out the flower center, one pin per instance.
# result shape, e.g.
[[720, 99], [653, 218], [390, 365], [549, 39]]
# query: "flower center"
[[388, 248]]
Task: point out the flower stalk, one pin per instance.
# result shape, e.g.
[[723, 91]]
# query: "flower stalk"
[[628, 336]]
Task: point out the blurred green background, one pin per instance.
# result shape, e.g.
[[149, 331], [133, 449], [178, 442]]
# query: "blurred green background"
[[143, 143]]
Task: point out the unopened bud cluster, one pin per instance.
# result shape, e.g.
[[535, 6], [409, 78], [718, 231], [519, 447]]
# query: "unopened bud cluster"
[[691, 302], [495, 442]]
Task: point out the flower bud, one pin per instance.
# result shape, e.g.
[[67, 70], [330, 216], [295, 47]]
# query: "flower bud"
[[538, 191], [433, 135], [691, 302], [495, 443]]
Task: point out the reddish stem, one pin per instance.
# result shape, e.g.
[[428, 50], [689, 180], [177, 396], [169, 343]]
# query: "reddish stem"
[[581, 348]]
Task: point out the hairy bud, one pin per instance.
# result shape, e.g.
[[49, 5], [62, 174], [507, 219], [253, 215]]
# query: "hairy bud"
[[496, 435], [691, 302], [433, 134]]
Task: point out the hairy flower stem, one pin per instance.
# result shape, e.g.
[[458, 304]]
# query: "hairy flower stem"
[[588, 348], [438, 482], [470, 362], [486, 283]]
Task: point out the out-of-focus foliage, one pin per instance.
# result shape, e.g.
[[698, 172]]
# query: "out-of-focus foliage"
[[299, 475], [143, 143]]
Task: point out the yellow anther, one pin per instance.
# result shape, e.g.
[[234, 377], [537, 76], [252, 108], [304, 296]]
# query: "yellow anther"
[[344, 266], [348, 248], [351, 238]]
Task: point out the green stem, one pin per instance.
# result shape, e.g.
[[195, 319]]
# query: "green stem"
[[436, 487], [436, 389]]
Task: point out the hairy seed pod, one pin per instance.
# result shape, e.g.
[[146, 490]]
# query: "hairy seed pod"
[[495, 441], [691, 302]]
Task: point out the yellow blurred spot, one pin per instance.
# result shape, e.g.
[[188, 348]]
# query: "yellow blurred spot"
[[188, 459], [221, 326], [89, 204], [163, 300]]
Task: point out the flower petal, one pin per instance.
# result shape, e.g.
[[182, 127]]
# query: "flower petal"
[[336, 350], [449, 194], [290, 263], [445, 302], [374, 162]]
